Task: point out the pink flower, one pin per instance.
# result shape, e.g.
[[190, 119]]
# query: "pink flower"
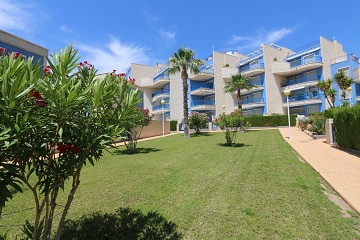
[[114, 70], [80, 64], [85, 62], [74, 149], [35, 94], [2, 49]]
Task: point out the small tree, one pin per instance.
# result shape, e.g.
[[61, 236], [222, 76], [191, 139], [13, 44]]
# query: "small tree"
[[344, 82], [329, 93], [198, 121], [57, 122], [237, 83], [231, 123], [134, 129]]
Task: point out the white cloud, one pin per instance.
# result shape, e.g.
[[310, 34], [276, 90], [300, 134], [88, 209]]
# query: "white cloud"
[[155, 23], [261, 36], [66, 29], [17, 15], [168, 36], [115, 55]]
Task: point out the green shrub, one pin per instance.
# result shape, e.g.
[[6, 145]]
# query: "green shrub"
[[329, 113], [173, 124], [271, 121], [317, 121], [346, 126], [125, 223], [304, 123], [231, 123], [198, 121]]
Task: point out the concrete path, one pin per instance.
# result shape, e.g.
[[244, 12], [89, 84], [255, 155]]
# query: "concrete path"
[[340, 169]]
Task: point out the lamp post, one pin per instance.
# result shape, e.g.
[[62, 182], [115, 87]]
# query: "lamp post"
[[349, 90], [223, 107], [163, 116], [287, 92]]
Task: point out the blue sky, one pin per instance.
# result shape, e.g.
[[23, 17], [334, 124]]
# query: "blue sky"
[[113, 34]]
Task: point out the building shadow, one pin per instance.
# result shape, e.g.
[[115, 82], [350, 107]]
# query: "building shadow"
[[202, 134], [138, 151], [125, 223]]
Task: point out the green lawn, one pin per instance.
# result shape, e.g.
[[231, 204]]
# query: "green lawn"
[[258, 191]]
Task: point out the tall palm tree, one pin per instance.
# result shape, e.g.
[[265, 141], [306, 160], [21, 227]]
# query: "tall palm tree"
[[237, 83], [183, 61]]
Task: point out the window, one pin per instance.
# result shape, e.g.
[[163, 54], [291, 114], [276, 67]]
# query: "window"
[[309, 58], [346, 71], [312, 109], [298, 111], [258, 111]]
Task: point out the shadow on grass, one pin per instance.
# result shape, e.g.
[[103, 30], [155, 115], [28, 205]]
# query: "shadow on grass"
[[125, 223], [138, 151], [234, 145], [202, 134]]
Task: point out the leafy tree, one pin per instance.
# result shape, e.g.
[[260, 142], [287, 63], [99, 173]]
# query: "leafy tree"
[[237, 83], [134, 129], [231, 123], [198, 121], [344, 82], [183, 61], [329, 93], [57, 122]]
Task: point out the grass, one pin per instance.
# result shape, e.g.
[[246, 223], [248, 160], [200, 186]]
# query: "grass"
[[258, 190]]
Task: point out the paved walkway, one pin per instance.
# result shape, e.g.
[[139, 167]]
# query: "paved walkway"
[[340, 169]]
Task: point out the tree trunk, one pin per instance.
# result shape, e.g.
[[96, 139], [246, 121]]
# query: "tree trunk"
[[75, 185], [238, 95], [186, 106]]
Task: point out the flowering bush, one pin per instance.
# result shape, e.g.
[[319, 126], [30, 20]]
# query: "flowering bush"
[[198, 121], [53, 123], [231, 123], [134, 128]]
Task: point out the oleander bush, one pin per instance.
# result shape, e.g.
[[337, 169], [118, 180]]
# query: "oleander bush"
[[231, 123], [347, 127], [198, 121]]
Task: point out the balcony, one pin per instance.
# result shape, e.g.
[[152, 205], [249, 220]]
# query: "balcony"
[[202, 89], [156, 82], [259, 86], [203, 105], [159, 108], [357, 75], [206, 72], [303, 99], [305, 63], [227, 72], [301, 81], [251, 103], [252, 69], [161, 93]]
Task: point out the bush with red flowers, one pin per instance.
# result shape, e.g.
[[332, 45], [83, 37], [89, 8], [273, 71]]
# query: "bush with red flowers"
[[231, 124], [53, 121]]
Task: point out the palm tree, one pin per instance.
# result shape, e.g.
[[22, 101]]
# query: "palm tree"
[[330, 94], [344, 82], [183, 61], [239, 82]]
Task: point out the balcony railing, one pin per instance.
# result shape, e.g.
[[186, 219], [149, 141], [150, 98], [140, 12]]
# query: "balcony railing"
[[303, 97], [306, 60], [207, 67], [251, 66], [163, 75], [160, 107], [257, 82], [305, 48], [300, 80], [250, 101], [202, 85], [161, 91], [203, 102]]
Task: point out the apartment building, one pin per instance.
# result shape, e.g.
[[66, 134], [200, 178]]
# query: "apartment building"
[[272, 69], [14, 43]]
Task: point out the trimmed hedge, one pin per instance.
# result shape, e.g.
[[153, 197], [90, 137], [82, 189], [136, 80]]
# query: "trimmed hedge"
[[271, 121], [173, 124], [347, 127]]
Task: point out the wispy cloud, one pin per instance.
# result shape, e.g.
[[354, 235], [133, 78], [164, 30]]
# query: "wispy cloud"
[[115, 55], [18, 15], [66, 29], [261, 36], [154, 22]]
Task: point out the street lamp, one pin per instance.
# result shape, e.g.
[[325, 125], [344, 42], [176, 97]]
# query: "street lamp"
[[163, 116], [223, 107], [287, 92], [349, 89]]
